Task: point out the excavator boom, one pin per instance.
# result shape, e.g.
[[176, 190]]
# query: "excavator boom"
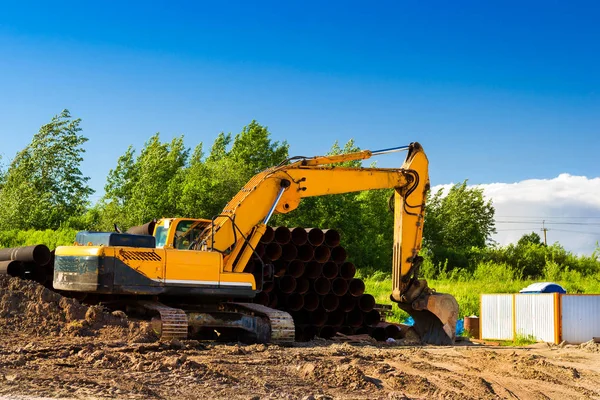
[[280, 190]]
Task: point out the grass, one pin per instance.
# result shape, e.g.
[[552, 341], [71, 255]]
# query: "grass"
[[468, 292], [520, 340]]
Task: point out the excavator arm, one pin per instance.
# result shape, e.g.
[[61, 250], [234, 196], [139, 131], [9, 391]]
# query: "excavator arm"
[[280, 189]]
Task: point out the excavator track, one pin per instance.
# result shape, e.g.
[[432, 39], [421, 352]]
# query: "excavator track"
[[173, 322], [282, 324]]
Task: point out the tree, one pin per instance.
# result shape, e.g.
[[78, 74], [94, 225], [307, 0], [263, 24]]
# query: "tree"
[[461, 219], [530, 238], [457, 223], [208, 184], [160, 182], [44, 186], [145, 187], [253, 149]]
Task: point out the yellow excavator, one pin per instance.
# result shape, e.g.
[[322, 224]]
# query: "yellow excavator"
[[189, 273]]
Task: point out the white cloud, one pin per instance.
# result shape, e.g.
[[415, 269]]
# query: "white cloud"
[[569, 205]]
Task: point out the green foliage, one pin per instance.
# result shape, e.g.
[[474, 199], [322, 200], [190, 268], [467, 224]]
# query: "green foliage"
[[43, 186], [520, 340], [209, 183], [455, 223], [468, 290], [164, 181], [144, 187], [52, 239]]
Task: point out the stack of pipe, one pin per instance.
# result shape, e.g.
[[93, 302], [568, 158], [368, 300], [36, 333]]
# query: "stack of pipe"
[[315, 283], [29, 262]]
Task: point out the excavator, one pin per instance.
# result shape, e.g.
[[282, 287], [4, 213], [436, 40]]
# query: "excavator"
[[188, 275]]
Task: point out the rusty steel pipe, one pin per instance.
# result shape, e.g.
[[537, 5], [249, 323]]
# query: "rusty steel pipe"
[[372, 317], [273, 251], [336, 318], [339, 286], [295, 268], [299, 236], [392, 331], [282, 235], [279, 268], [321, 286], [11, 267], [294, 302], [354, 318], [268, 287], [268, 270], [318, 317], [330, 302], [310, 332], [289, 252], [322, 254], [287, 284], [330, 270], [356, 287], [315, 236], [38, 275], [262, 298], [347, 270], [39, 254], [273, 300], [268, 236], [366, 302], [301, 318], [146, 229], [378, 334], [305, 252], [313, 270], [346, 330], [311, 301], [347, 302], [299, 333], [327, 332], [338, 254], [362, 330], [302, 285], [259, 250], [332, 237]]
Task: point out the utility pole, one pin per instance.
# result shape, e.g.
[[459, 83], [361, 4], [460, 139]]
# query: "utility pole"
[[544, 229]]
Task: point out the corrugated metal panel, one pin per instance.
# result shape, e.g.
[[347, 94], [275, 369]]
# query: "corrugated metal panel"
[[580, 317], [535, 315], [497, 316]]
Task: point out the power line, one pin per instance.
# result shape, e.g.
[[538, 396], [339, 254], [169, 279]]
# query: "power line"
[[542, 216], [514, 229], [570, 231], [549, 223]]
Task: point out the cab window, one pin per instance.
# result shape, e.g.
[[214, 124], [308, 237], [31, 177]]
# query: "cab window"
[[185, 233]]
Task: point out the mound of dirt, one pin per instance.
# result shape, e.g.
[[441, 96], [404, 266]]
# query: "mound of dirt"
[[27, 307], [334, 375], [591, 346]]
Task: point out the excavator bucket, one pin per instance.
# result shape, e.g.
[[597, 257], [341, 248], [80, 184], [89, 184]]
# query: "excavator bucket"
[[435, 317]]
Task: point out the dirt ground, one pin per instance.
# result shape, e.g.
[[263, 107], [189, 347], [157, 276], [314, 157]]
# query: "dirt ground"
[[53, 347]]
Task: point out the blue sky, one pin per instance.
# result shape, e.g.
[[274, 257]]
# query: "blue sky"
[[495, 93]]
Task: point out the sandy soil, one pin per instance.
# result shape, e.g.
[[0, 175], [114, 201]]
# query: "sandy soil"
[[54, 347]]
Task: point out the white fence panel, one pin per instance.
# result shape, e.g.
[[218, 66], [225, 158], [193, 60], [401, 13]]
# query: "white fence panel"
[[580, 317], [535, 315], [497, 316]]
